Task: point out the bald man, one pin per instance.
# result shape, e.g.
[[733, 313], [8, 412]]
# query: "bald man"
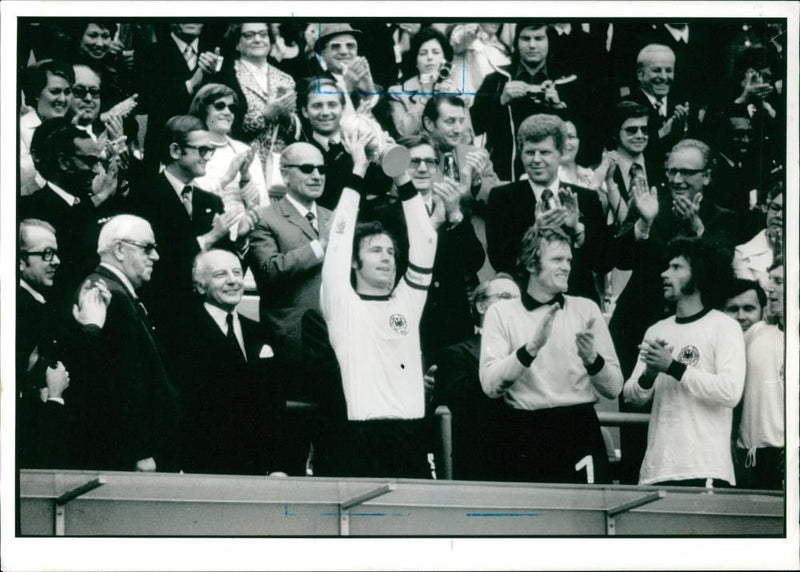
[[286, 251]]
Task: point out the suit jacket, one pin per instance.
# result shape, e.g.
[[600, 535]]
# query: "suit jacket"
[[162, 74], [641, 303], [446, 318], [511, 211], [169, 293], [478, 431], [232, 405], [124, 405], [287, 271], [77, 229]]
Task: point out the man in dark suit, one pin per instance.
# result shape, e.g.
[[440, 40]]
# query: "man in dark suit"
[[76, 199], [286, 252], [231, 404], [444, 119], [673, 115], [514, 208], [185, 219], [477, 419], [535, 82], [124, 405], [322, 114], [170, 71]]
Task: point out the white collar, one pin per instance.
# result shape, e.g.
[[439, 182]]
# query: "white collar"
[[300, 208], [183, 45], [678, 34], [69, 198], [88, 129], [563, 29], [625, 162], [36, 295], [176, 183], [124, 279], [324, 140], [220, 316], [655, 101]]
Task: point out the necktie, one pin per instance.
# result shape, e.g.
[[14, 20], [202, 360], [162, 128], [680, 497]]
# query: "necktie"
[[335, 148], [190, 57], [186, 199], [547, 196], [311, 218], [140, 307], [231, 335]]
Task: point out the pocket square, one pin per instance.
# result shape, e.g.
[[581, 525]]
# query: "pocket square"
[[266, 352]]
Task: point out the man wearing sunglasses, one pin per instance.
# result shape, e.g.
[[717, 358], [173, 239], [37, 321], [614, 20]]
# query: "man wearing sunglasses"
[[124, 404], [286, 252], [73, 201], [186, 219]]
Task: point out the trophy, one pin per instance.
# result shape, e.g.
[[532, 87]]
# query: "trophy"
[[382, 150]]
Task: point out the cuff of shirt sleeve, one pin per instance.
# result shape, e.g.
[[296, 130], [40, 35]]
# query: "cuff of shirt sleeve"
[[595, 367], [639, 233], [524, 357], [56, 399], [676, 369], [317, 248], [356, 183], [406, 191]]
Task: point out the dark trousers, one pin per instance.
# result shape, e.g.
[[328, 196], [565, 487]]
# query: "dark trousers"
[[388, 448], [546, 445], [766, 472]]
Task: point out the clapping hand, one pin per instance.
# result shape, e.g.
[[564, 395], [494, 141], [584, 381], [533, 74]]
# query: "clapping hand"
[[356, 145], [569, 202], [123, 108], [688, 210], [543, 331], [656, 355], [472, 166], [93, 300], [584, 339], [450, 194], [358, 75], [57, 380], [284, 104], [646, 200]]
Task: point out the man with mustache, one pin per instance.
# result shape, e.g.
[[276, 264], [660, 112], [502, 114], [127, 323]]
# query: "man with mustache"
[[692, 367], [231, 406], [124, 405], [549, 356]]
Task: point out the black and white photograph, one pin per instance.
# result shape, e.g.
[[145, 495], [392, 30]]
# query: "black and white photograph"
[[399, 285]]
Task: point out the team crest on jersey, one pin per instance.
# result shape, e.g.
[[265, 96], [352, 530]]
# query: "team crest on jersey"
[[399, 324], [688, 355]]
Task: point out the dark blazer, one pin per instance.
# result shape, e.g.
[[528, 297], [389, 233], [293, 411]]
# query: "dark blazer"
[[287, 271], [446, 318], [232, 406], [125, 407], [40, 426], [478, 431], [511, 211], [169, 293], [641, 303], [162, 73], [77, 228]]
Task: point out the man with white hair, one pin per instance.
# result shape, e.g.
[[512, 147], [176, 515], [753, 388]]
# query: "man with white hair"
[[670, 114], [233, 431], [125, 407]]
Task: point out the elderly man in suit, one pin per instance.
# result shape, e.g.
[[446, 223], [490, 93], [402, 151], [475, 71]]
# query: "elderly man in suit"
[[232, 414], [185, 218], [514, 208], [286, 252], [125, 407]]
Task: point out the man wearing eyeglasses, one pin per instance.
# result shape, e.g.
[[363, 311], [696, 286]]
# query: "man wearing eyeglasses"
[[78, 196], [683, 209], [287, 247], [125, 407], [185, 218]]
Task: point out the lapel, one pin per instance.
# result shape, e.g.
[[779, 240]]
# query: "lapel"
[[137, 307], [294, 217]]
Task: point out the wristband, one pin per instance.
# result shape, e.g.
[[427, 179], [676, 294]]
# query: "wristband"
[[357, 183], [524, 357], [595, 367], [676, 369]]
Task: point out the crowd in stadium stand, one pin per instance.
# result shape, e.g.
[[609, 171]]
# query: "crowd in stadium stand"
[[512, 219]]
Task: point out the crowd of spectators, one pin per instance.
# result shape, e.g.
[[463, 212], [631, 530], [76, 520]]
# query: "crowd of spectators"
[[588, 211]]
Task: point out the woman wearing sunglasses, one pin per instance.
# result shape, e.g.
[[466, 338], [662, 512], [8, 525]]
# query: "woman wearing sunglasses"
[[216, 105], [267, 121]]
